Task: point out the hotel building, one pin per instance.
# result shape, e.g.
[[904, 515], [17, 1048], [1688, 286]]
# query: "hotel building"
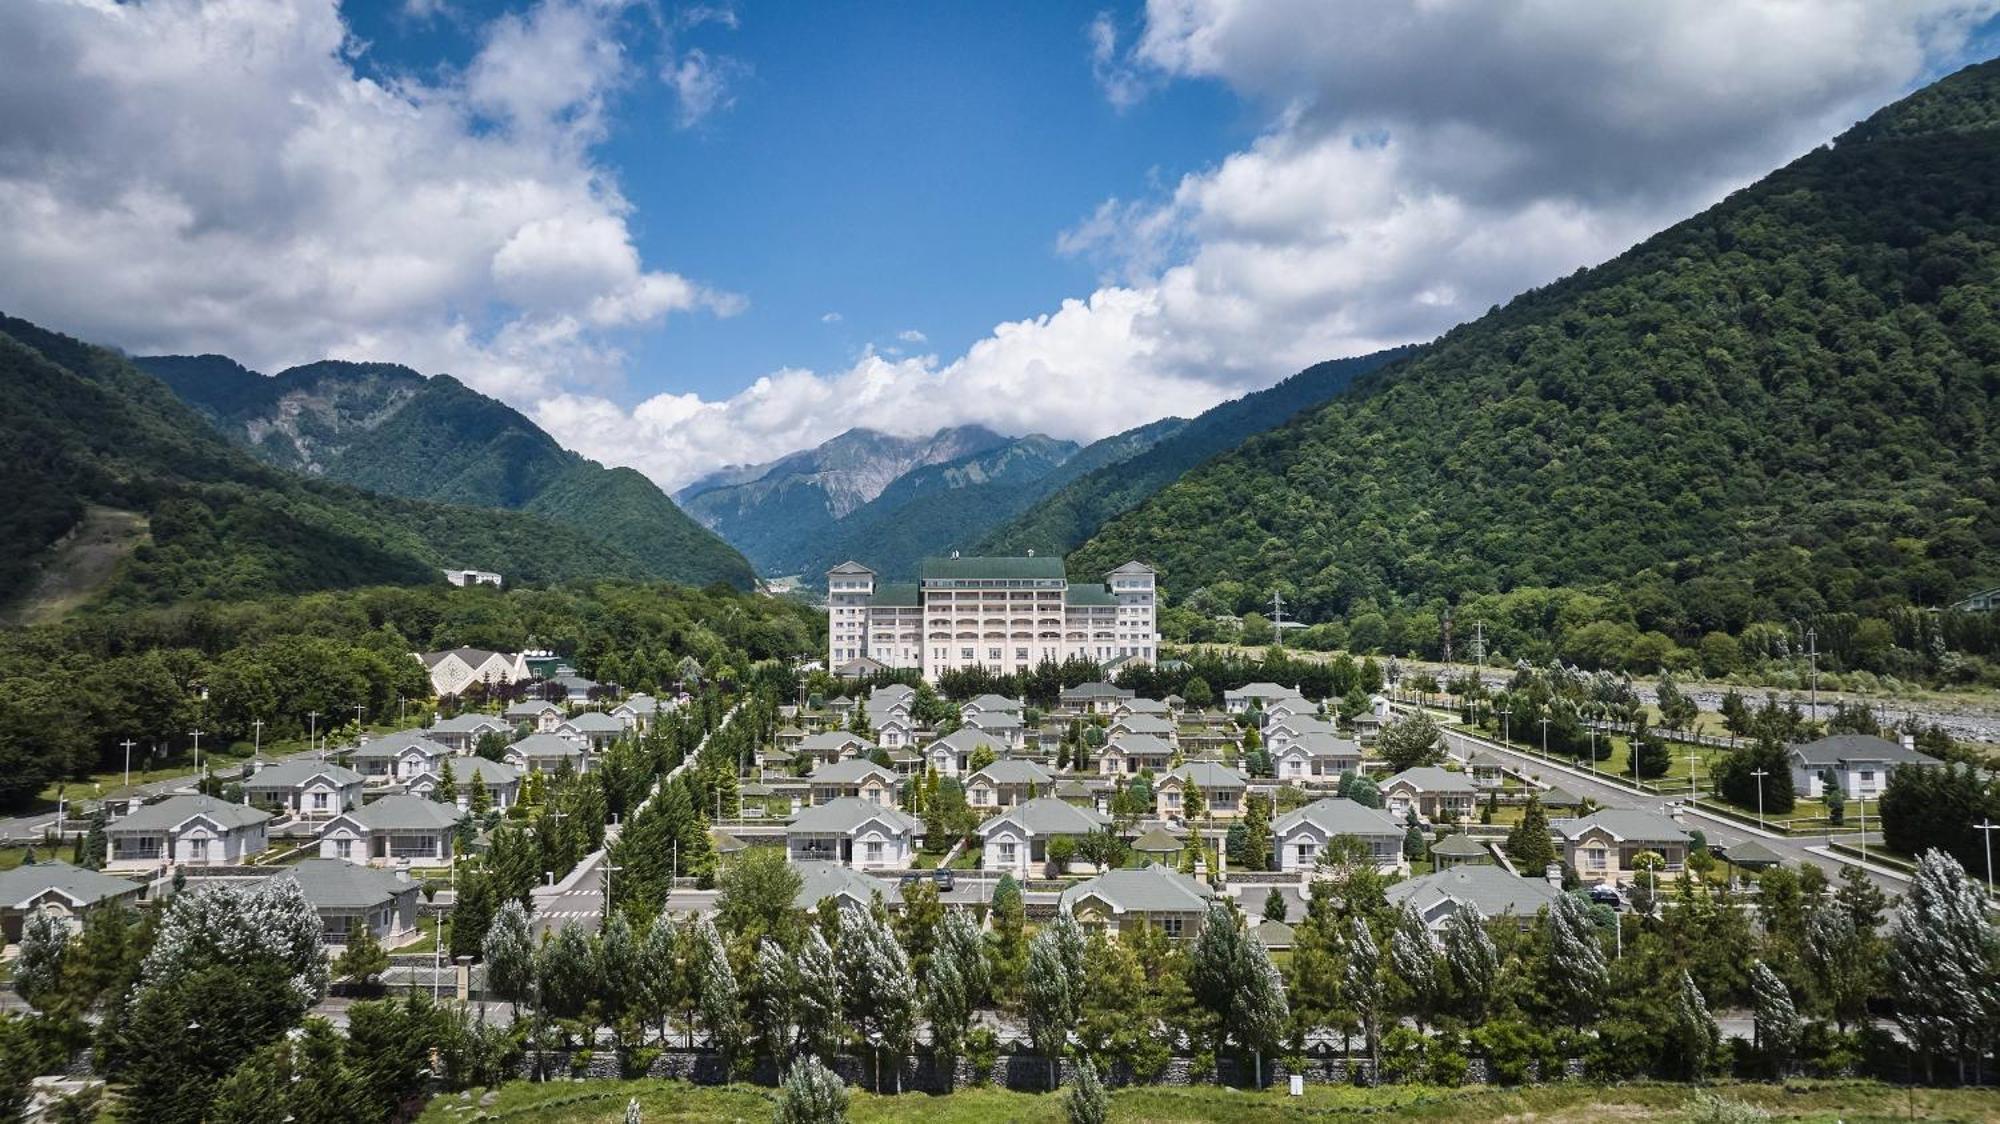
[[1003, 614]]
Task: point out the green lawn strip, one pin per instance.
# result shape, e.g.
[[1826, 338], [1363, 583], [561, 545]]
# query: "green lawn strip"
[[605, 1101]]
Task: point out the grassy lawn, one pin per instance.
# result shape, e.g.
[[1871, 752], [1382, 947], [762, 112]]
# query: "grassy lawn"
[[605, 1101], [10, 857], [968, 859], [428, 941]]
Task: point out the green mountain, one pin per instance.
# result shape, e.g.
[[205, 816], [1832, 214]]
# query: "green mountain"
[[90, 442], [1067, 516], [1782, 409], [389, 429]]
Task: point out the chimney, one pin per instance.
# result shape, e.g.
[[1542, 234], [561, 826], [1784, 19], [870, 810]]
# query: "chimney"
[[1909, 740], [1031, 552]]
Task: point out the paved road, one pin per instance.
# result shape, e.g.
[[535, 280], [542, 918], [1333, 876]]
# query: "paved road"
[[1723, 833], [581, 902]]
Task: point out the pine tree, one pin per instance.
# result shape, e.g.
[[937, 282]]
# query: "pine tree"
[[1363, 986], [363, 960], [1413, 959], [1008, 916], [509, 954], [1473, 960], [716, 993], [1529, 844], [880, 990], [619, 969], [38, 971], [820, 999], [96, 847], [1051, 1003], [1087, 1103], [1275, 907], [777, 1000], [1576, 971], [446, 789], [1256, 833], [1777, 1019], [1941, 956], [811, 1094], [479, 800], [659, 992], [1691, 1032]]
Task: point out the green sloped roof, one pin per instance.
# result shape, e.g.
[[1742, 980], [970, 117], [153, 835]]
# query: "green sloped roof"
[[896, 594], [991, 568], [1089, 595]]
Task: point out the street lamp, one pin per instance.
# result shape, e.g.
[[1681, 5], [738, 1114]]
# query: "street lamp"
[[1545, 735], [312, 732], [1504, 727], [128, 743], [609, 869], [1986, 829], [1760, 774], [256, 737], [196, 734]]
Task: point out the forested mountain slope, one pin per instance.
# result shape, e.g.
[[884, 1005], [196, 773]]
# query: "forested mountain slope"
[[1780, 409], [81, 427], [388, 429], [1066, 517]]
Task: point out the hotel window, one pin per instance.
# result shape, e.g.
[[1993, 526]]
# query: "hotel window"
[[965, 653], [992, 653], [1020, 653]]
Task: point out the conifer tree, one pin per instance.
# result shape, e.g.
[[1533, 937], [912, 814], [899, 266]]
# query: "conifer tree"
[[1087, 1102], [509, 953], [1414, 960], [811, 1094], [716, 993], [446, 789], [1256, 833], [659, 991], [777, 1000], [1691, 1032], [1051, 1003], [1473, 960], [1529, 844], [1777, 1018], [479, 800], [820, 999], [1576, 972], [1941, 962], [1363, 986]]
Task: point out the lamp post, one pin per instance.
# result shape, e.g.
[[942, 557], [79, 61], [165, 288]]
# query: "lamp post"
[[359, 710], [196, 735], [1545, 735], [1692, 759], [256, 737], [1986, 828], [312, 731], [1504, 739], [128, 743], [1593, 749], [1760, 774], [609, 869]]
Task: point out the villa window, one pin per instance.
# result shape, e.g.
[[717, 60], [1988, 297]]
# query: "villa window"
[[1007, 852], [873, 851], [1171, 926]]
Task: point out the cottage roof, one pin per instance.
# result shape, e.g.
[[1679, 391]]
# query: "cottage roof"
[[530, 708], [1488, 889], [1209, 774], [1335, 815], [1047, 815], [1139, 745], [544, 746], [1430, 778], [81, 887], [176, 810], [853, 770], [395, 745], [404, 813], [1085, 691], [834, 741], [292, 774], [1158, 841], [490, 773], [595, 722], [1144, 724], [1014, 770], [1150, 889], [1321, 745], [846, 814], [338, 884], [1839, 749], [819, 881], [465, 724], [1460, 846], [1625, 825]]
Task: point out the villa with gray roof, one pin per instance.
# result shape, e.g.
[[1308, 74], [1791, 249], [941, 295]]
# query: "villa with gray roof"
[[189, 831], [310, 790], [1283, 732], [857, 777], [545, 753], [67, 893], [853, 832], [348, 897], [951, 755], [1433, 793], [1005, 615], [1860, 763], [1490, 891], [847, 887], [1259, 695], [461, 732], [1006, 782], [1221, 790], [1316, 758], [398, 756], [829, 746], [395, 829], [1093, 698], [1602, 846], [541, 714], [1150, 725], [639, 710], [1300, 836], [1129, 755], [592, 728], [1120, 901], [1002, 726], [1017, 840], [502, 782]]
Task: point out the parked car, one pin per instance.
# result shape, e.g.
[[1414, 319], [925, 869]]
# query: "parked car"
[[944, 880], [1605, 895], [911, 878]]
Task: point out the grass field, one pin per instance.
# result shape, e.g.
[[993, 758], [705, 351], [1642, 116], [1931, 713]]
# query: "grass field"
[[659, 1101]]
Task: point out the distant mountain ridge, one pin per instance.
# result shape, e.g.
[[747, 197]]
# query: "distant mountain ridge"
[[389, 429], [1064, 517], [87, 438]]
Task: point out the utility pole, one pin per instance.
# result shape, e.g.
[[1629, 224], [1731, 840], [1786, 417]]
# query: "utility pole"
[[128, 743], [1812, 662], [1478, 645], [196, 734], [1760, 774], [1692, 759], [1278, 618], [257, 737], [312, 734], [1504, 738], [1986, 828], [1545, 736], [1447, 642], [359, 710]]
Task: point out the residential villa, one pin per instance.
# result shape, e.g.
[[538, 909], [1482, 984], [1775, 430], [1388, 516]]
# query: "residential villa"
[[853, 832], [1016, 841], [1316, 758], [68, 893], [1299, 836], [187, 830], [1434, 794], [1485, 769], [990, 704], [639, 711], [1093, 698], [1006, 782], [1148, 725], [847, 887], [1006, 615], [540, 714], [1860, 763], [1221, 788], [833, 745], [502, 781], [1490, 891], [310, 790], [857, 777], [1132, 706], [398, 756], [545, 753], [1256, 695], [1280, 733], [1132, 754], [348, 897], [1602, 846], [451, 672], [894, 731], [1121, 901], [395, 829], [1002, 726], [461, 733], [951, 755]]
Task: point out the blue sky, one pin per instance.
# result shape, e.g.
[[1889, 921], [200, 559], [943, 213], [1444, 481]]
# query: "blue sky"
[[907, 166], [630, 219]]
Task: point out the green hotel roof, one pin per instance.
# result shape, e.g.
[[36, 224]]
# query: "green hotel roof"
[[1014, 569], [895, 594], [1089, 595]]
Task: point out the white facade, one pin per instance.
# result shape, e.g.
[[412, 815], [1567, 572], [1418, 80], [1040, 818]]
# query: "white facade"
[[1006, 615], [472, 577]]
